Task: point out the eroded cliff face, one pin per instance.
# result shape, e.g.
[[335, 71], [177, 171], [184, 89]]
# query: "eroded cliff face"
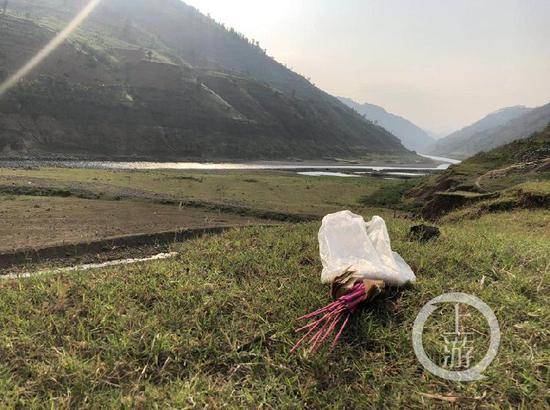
[[97, 98]]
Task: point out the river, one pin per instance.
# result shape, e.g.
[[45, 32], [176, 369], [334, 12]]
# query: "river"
[[311, 169]]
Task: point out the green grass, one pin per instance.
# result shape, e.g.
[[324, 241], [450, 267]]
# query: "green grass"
[[526, 195], [273, 191], [517, 172], [533, 149], [389, 195], [534, 187], [213, 327]]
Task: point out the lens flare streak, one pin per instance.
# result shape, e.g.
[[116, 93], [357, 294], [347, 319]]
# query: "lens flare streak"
[[49, 48]]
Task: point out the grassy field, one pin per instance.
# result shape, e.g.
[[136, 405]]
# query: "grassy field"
[[58, 206], [272, 191], [214, 326]]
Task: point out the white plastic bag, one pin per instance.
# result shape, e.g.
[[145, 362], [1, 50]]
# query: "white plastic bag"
[[348, 244]]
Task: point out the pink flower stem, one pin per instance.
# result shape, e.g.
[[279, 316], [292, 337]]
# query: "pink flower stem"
[[330, 329], [325, 320], [340, 332]]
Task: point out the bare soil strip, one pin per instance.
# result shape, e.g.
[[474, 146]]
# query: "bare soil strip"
[[37, 231], [35, 222]]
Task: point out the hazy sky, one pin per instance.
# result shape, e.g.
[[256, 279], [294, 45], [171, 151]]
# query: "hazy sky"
[[441, 63]]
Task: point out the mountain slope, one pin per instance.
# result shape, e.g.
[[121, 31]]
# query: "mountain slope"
[[514, 175], [155, 79], [412, 136], [521, 127], [468, 140]]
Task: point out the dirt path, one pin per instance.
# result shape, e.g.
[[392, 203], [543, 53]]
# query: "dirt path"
[[502, 172]]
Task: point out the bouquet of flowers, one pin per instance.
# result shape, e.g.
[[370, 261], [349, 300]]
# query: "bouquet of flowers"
[[359, 263]]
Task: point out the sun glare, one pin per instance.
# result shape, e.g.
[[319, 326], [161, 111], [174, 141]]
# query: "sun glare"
[[49, 48]]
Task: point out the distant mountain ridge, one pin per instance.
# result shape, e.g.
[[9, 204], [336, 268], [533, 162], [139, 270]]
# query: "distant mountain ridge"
[[412, 136], [156, 79], [493, 130]]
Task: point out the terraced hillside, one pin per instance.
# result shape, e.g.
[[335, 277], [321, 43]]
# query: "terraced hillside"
[[155, 79]]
